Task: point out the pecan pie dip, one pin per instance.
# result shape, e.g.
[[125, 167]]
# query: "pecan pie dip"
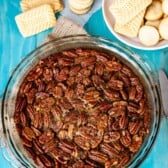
[[82, 108]]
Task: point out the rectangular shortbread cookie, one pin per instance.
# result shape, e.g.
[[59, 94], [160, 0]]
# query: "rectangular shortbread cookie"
[[131, 28], [124, 10], [36, 20], [57, 5]]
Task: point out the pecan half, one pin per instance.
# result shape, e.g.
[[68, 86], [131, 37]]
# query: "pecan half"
[[113, 66], [115, 84], [134, 127], [111, 163], [28, 133], [50, 146], [82, 143], [88, 61], [46, 136], [111, 136], [20, 104], [136, 143], [109, 150], [98, 156], [125, 138]]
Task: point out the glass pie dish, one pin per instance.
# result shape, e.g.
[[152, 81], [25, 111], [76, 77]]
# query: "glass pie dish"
[[12, 145]]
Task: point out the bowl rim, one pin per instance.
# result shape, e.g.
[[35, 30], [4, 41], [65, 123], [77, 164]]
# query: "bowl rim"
[[116, 35]]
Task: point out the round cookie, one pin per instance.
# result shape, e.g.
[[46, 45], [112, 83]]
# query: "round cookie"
[[148, 35], [83, 2], [79, 12], [165, 6], [163, 28], [154, 11], [80, 4], [154, 23]]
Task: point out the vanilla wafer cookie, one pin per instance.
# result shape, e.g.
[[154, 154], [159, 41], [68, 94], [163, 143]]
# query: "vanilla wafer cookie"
[[131, 28], [165, 7], [81, 11], [80, 4], [163, 28], [128, 9], [57, 5], [154, 11], [148, 35], [36, 20]]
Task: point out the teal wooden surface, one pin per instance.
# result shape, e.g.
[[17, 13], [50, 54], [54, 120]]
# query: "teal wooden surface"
[[13, 47]]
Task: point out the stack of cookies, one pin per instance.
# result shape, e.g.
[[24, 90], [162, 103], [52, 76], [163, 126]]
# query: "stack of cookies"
[[155, 27], [37, 16], [145, 19], [80, 6]]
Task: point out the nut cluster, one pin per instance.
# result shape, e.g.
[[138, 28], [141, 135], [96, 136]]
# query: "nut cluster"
[[81, 108]]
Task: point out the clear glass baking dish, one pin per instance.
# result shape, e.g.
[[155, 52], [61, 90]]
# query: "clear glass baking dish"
[[11, 144]]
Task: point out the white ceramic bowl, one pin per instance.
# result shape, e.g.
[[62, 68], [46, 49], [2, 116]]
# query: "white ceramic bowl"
[[133, 42]]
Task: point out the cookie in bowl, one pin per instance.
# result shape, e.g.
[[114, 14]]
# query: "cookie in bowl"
[[126, 25]]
